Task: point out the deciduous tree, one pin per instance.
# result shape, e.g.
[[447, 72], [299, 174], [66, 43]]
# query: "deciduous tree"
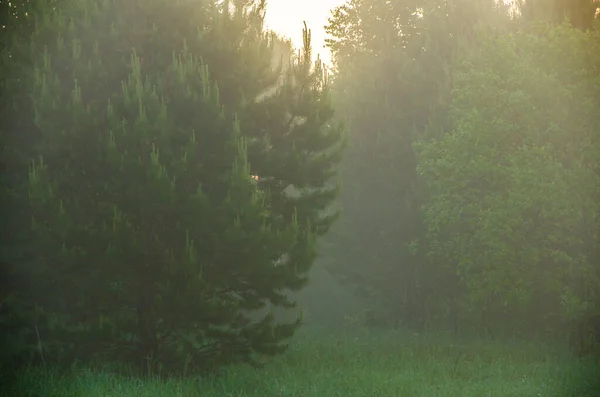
[[514, 207]]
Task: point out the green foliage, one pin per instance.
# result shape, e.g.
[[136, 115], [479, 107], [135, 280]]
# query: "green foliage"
[[149, 239], [513, 188], [494, 222], [393, 62]]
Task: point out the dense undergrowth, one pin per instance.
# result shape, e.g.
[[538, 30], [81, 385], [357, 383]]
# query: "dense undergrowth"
[[352, 363]]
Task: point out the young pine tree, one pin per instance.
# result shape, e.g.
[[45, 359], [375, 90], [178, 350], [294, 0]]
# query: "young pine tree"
[[152, 236]]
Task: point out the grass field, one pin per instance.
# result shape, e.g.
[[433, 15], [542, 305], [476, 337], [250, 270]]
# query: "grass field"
[[357, 363]]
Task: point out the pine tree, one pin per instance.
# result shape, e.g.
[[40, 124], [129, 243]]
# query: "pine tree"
[[159, 212]]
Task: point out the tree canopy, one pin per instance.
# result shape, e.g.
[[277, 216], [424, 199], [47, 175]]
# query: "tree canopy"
[[473, 150], [514, 186]]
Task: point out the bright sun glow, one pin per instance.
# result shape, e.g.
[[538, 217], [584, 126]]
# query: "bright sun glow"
[[286, 17]]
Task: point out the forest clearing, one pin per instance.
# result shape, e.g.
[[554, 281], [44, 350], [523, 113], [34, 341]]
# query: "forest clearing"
[[194, 204], [357, 363]]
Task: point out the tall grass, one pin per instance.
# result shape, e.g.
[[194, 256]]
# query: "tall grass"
[[324, 363]]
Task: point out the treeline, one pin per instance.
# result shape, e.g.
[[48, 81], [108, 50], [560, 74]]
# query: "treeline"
[[471, 191], [169, 167]]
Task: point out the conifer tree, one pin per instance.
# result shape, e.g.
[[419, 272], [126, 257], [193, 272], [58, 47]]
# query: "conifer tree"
[[160, 212]]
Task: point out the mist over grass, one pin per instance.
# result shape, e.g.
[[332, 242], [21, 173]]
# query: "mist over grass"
[[354, 362]]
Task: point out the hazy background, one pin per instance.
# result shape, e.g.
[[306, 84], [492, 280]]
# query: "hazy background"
[[286, 17]]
